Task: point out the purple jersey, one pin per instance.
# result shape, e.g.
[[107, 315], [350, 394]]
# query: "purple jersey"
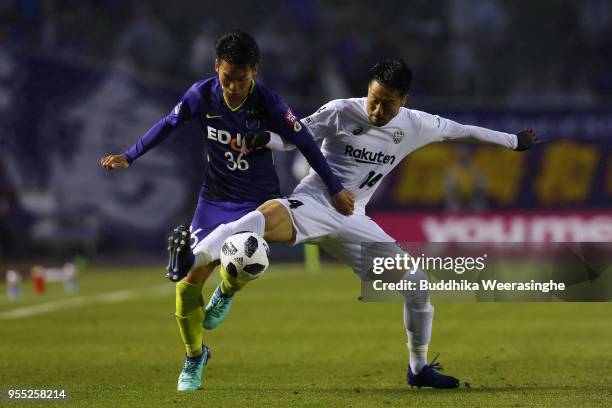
[[229, 175]]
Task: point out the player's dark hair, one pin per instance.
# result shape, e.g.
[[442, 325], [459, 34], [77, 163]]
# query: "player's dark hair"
[[238, 48], [393, 73]]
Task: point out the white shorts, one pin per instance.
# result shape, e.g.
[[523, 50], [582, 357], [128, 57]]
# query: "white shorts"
[[316, 221]]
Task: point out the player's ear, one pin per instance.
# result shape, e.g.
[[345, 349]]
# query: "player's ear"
[[255, 69], [217, 65], [405, 100]]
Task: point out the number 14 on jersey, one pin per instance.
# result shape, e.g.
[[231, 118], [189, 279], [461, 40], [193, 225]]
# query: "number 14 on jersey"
[[371, 180]]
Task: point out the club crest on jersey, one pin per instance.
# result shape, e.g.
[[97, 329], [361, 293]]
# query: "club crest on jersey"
[[398, 136], [252, 121], [297, 126]]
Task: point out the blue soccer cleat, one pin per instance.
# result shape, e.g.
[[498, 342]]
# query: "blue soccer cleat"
[[181, 256], [429, 376], [191, 375], [217, 309]]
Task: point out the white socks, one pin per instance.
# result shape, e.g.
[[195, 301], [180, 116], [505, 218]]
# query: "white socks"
[[208, 250], [418, 356], [418, 318]]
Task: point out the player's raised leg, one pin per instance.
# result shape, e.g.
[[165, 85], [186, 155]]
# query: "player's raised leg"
[[272, 221], [185, 263]]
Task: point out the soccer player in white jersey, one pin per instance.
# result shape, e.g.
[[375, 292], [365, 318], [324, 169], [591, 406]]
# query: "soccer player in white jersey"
[[363, 140]]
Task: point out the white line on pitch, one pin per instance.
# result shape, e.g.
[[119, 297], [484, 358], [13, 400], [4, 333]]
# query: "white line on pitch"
[[110, 297]]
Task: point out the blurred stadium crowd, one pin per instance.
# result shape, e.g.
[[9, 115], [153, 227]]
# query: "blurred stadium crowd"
[[507, 53], [83, 78]]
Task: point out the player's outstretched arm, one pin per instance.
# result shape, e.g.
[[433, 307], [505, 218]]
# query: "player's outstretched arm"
[[114, 161], [436, 128], [154, 136], [182, 113], [524, 140]]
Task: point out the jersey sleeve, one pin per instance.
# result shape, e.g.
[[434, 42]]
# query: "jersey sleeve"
[[285, 123], [323, 122], [438, 129], [320, 124], [183, 112]]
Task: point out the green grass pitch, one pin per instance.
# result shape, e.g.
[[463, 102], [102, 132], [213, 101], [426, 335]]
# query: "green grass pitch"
[[298, 339]]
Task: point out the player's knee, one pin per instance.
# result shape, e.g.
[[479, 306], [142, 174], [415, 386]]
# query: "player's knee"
[[271, 210], [200, 275], [278, 226]]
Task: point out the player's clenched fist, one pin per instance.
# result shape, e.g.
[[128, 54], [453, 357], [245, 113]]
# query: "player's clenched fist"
[[343, 201], [114, 161]]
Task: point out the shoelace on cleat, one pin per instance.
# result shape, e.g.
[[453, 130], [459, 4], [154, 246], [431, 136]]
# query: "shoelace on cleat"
[[434, 364], [221, 301], [190, 367]]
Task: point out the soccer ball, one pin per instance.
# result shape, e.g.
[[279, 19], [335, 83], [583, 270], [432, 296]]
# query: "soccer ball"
[[246, 255]]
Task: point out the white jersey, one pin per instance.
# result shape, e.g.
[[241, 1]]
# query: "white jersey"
[[361, 154]]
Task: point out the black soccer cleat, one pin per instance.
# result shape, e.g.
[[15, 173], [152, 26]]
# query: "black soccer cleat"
[[181, 256], [429, 376]]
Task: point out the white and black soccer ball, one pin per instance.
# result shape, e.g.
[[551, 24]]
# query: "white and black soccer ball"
[[245, 254]]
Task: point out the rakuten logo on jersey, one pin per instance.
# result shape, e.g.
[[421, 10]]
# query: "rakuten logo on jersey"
[[363, 155]]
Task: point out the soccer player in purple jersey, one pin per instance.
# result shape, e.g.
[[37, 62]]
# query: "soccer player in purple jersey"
[[227, 107]]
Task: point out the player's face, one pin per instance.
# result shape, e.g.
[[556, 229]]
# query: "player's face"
[[383, 103], [235, 80]]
